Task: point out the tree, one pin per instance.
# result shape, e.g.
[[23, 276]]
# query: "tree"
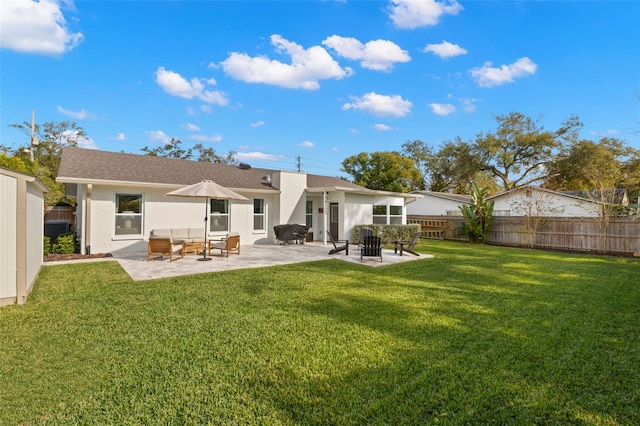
[[174, 149], [535, 208], [518, 151], [383, 170], [597, 170], [478, 217], [53, 138], [423, 159], [454, 168]]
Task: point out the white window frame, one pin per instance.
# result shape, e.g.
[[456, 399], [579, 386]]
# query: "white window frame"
[[214, 217], [123, 220], [379, 215], [262, 215], [395, 217]]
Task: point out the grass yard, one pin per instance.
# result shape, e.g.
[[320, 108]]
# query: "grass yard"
[[477, 335]]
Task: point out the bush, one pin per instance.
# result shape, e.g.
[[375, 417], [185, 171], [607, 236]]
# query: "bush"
[[64, 244], [46, 246], [388, 233]]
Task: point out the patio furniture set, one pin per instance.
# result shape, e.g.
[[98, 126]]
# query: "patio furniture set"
[[179, 242], [371, 245]]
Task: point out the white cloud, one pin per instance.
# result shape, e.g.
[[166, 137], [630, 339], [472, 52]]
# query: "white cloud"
[[380, 105], [442, 109], [36, 27], [469, 104], [381, 127], [158, 136], [307, 144], [176, 85], [355, 131], [206, 109], [191, 111], [379, 55], [78, 115], [335, 149], [257, 156], [412, 14], [445, 49], [306, 68], [121, 137], [190, 126], [206, 138], [488, 76], [257, 124], [86, 143]]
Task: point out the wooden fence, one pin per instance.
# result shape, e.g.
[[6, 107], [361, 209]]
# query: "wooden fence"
[[622, 236]]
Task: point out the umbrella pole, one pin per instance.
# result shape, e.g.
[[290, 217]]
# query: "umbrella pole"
[[206, 216]]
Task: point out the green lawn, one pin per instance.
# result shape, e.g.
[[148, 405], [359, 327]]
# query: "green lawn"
[[477, 335]]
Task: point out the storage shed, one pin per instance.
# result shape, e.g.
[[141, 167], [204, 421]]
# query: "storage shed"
[[21, 234]]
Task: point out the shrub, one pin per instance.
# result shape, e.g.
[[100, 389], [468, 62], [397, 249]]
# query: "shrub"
[[388, 233], [46, 245], [64, 244], [478, 216]]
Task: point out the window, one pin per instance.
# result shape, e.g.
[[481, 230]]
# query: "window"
[[128, 214], [387, 215], [395, 215], [258, 214], [219, 216], [309, 221], [380, 215]]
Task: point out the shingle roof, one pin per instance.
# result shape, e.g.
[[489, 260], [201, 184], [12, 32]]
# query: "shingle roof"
[[461, 198], [104, 166]]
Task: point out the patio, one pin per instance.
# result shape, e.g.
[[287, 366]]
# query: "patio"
[[251, 256]]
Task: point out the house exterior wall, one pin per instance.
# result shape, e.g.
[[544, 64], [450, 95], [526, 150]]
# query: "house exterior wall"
[[292, 205], [542, 203], [433, 206], [162, 211]]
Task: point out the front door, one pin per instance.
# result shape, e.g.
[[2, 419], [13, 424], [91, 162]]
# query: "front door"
[[333, 220]]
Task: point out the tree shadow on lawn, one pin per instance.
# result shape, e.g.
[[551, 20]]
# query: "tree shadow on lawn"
[[523, 354]]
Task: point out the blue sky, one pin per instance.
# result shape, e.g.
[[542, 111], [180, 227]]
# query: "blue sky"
[[322, 80]]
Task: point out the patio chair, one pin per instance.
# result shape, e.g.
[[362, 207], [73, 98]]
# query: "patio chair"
[[336, 248], [364, 232], [161, 247], [371, 247], [230, 244], [407, 245]]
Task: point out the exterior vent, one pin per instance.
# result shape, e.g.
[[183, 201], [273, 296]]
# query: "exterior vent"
[[266, 178], [244, 166]]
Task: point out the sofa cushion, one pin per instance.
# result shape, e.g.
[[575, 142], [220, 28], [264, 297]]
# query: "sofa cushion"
[[180, 234], [161, 233], [196, 234]]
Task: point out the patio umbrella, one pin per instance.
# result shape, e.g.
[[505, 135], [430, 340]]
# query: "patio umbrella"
[[208, 190]]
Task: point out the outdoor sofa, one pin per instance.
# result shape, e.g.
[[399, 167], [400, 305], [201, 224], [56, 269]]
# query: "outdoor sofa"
[[181, 239]]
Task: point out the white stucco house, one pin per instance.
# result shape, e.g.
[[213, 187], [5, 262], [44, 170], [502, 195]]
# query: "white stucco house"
[[435, 203], [21, 234], [122, 197], [533, 201]]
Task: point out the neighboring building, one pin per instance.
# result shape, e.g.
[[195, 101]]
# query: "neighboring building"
[[438, 204], [121, 198], [532, 201], [21, 234]]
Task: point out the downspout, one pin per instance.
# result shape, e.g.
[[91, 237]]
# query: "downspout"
[[324, 215], [87, 221]]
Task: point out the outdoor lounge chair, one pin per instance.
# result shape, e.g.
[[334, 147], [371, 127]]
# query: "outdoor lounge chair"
[[161, 247], [407, 245], [336, 248], [230, 244], [364, 232], [371, 247]]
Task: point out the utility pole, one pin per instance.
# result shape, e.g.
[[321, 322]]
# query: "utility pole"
[[34, 138]]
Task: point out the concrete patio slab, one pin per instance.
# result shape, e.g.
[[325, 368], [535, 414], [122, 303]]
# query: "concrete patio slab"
[[251, 256]]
